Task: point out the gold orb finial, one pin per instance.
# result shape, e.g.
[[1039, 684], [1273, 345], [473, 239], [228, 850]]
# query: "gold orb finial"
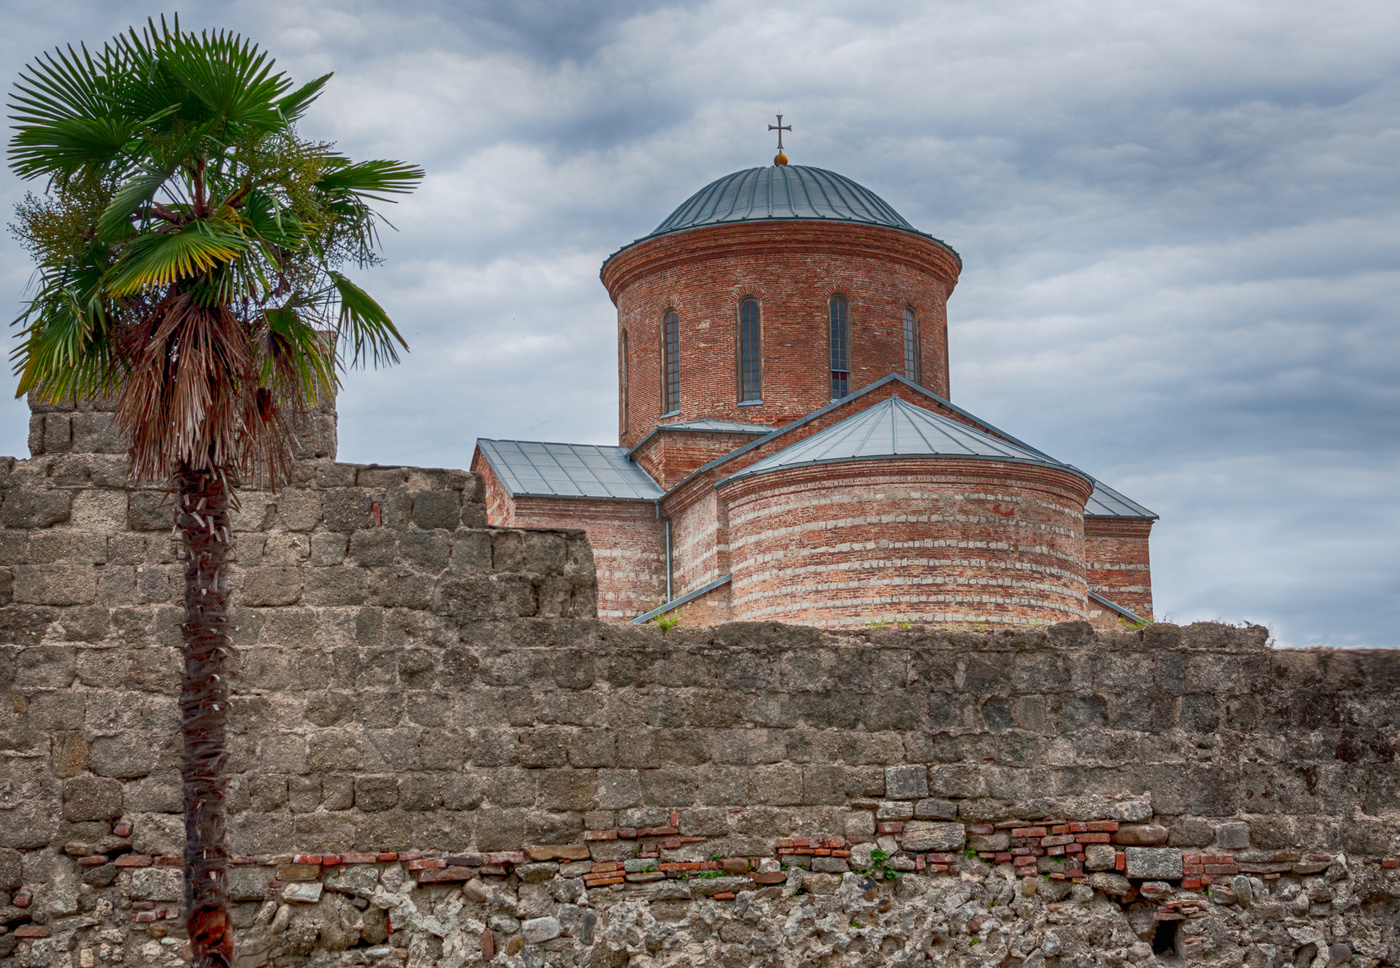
[[779, 160]]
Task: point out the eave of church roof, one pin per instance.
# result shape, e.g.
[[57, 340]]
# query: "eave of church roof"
[[534, 468]]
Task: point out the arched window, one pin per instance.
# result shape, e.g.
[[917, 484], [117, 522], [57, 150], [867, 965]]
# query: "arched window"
[[622, 382], [750, 353], [671, 364], [840, 348], [913, 365]]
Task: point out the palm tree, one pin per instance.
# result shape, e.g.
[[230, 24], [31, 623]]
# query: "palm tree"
[[189, 245]]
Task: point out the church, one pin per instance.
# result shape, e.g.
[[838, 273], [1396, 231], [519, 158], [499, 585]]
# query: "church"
[[787, 447]]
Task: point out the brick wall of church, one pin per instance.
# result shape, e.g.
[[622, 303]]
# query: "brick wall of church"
[[699, 542], [1116, 558], [792, 269], [942, 541], [669, 457]]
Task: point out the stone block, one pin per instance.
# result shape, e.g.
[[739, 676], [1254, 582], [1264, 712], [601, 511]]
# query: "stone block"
[[1232, 836], [1140, 835], [932, 809], [920, 835], [1153, 863], [347, 509], [302, 892], [248, 883], [1130, 811], [30, 509], [906, 782], [540, 930], [1099, 857], [158, 884], [90, 797], [150, 511], [272, 585], [436, 509]]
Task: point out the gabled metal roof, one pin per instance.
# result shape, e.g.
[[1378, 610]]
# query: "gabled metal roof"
[[529, 468], [897, 428], [709, 425], [1105, 502]]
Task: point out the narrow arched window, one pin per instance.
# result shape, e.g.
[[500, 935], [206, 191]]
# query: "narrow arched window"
[[913, 365], [840, 342], [671, 364], [622, 381], [750, 353]]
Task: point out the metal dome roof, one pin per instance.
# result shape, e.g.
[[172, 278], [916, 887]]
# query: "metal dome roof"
[[897, 428], [780, 193]]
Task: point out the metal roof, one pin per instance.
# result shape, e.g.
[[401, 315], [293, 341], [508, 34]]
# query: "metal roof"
[[1105, 502], [786, 192], [707, 425], [529, 468], [897, 428]]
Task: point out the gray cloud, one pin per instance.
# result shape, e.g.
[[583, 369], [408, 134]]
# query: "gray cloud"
[[1179, 224]]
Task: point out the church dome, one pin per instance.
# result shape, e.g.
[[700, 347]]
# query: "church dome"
[[782, 193]]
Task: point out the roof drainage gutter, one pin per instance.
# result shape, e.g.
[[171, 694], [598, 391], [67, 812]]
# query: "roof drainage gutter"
[[678, 602], [1111, 606]]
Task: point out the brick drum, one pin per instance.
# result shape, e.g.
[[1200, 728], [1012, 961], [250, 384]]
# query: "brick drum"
[[792, 269], [922, 540]]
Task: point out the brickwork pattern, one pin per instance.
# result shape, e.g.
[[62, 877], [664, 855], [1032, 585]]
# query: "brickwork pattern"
[[792, 269], [1117, 562], [671, 456], [944, 541]]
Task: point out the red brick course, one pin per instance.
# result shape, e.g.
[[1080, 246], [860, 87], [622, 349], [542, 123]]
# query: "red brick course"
[[792, 269], [941, 540], [1116, 558]]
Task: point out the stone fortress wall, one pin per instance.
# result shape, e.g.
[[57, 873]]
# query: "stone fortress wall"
[[441, 757]]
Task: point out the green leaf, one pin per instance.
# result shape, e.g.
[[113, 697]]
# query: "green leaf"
[[115, 222], [369, 179], [295, 104], [365, 325], [232, 79], [159, 259]]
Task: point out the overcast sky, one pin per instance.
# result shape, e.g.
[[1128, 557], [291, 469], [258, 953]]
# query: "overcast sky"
[[1180, 224]]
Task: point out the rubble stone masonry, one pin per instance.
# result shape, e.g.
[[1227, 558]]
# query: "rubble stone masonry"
[[441, 757]]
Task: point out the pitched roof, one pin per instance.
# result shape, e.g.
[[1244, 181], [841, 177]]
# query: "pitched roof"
[[896, 428], [1105, 502], [529, 468]]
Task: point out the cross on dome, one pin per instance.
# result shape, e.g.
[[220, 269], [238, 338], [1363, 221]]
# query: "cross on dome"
[[780, 159]]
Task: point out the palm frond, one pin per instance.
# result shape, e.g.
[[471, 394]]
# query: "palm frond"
[[115, 222], [369, 179], [65, 352], [159, 259], [232, 79], [295, 104], [365, 326]]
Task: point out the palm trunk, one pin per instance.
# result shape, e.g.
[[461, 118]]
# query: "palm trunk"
[[202, 518]]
